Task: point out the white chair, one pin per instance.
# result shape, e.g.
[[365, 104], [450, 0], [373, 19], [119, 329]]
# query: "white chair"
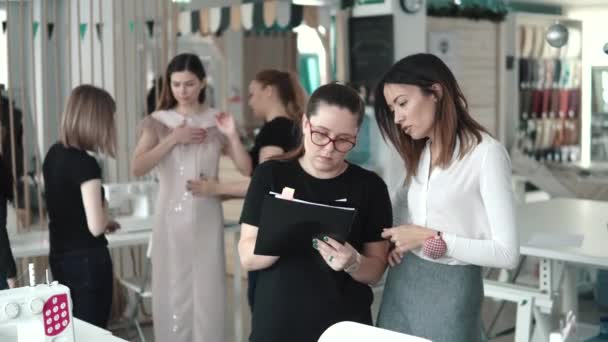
[[356, 332], [141, 288]]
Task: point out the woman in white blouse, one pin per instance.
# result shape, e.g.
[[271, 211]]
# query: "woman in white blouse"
[[454, 213]]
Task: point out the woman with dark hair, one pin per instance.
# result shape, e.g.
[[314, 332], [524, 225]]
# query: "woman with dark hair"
[[298, 296], [278, 98], [456, 204], [184, 139], [8, 269]]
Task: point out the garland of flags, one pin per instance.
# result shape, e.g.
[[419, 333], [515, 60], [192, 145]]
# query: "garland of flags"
[[257, 16], [252, 16]]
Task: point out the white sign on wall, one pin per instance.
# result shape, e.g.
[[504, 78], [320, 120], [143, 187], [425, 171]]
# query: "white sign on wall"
[[372, 8], [443, 45]]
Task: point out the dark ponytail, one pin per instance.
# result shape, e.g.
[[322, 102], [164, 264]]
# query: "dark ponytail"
[[289, 91]]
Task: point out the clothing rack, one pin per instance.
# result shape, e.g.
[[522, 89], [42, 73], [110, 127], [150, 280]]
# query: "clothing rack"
[[549, 93]]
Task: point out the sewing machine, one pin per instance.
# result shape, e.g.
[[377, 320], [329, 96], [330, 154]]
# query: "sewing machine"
[[133, 199], [357, 332], [41, 313]]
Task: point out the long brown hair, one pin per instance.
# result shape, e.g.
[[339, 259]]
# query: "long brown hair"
[[332, 94], [182, 62], [289, 90], [452, 119], [88, 120]]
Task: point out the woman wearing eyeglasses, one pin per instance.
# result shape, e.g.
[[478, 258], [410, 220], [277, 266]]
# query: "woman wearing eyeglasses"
[[297, 298]]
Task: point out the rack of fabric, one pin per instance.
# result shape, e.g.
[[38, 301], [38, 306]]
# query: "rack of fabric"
[[549, 94]]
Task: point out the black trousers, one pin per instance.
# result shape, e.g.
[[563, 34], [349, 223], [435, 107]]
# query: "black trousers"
[[88, 274], [252, 279]]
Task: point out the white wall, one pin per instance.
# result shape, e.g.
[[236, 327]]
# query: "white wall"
[[473, 58], [409, 31], [595, 35]]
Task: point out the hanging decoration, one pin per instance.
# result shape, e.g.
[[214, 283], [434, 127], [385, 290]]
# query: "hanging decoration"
[[150, 26], [131, 26], [219, 20], [204, 22], [184, 23], [258, 18], [83, 30], [247, 16], [35, 26], [215, 18], [295, 15], [557, 35], [270, 13], [224, 20], [250, 16], [99, 29], [195, 23], [235, 18], [50, 27]]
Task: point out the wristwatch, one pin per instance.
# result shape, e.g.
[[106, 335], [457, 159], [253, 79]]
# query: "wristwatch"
[[354, 267]]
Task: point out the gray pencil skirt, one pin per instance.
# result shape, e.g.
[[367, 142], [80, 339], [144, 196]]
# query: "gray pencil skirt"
[[435, 301]]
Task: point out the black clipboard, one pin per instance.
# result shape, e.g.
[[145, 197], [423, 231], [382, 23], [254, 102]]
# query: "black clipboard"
[[288, 226]]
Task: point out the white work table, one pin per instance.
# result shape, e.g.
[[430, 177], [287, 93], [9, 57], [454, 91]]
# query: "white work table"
[[555, 221], [566, 216], [134, 231], [36, 243], [83, 332]]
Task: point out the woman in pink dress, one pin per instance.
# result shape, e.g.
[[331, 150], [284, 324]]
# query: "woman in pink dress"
[[183, 140]]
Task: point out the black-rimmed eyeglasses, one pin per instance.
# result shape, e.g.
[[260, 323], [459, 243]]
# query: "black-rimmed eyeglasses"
[[322, 139]]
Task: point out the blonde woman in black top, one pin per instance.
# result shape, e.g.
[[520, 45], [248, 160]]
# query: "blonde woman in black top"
[[79, 255]]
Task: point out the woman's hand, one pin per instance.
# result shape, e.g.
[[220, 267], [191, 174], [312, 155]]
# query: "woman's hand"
[[226, 125], [188, 135], [12, 283], [394, 257], [112, 227], [336, 255], [405, 238], [202, 187]]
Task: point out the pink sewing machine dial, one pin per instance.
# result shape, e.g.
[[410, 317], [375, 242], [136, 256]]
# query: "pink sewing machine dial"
[[56, 315]]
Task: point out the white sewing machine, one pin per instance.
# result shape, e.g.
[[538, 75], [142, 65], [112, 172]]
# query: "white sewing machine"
[[356, 332], [135, 199], [41, 313]]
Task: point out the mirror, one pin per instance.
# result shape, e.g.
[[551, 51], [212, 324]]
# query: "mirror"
[[599, 113]]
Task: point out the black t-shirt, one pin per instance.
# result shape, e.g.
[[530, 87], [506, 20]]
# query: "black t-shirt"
[[280, 132], [64, 170], [299, 297]]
